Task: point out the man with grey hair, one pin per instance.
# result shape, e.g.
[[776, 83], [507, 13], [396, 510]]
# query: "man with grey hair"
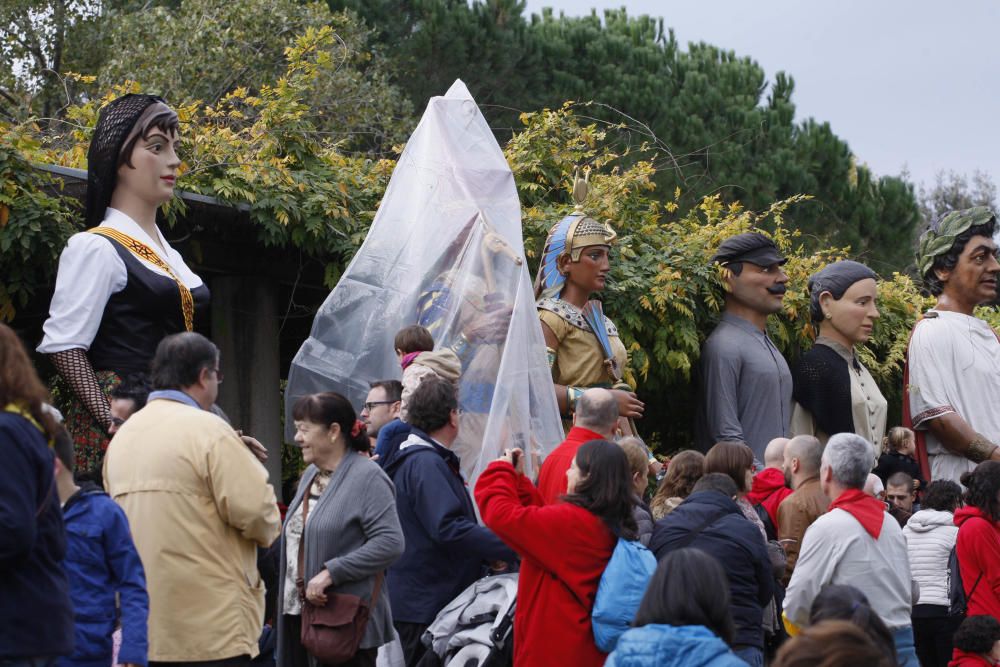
[[807, 503], [855, 543], [595, 418]]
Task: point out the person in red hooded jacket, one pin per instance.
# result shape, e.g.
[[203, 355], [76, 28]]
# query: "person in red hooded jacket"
[[564, 548], [977, 643], [978, 544], [769, 485]]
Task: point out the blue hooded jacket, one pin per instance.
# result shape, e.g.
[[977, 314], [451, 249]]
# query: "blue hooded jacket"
[[36, 616], [101, 560], [672, 646], [446, 548]]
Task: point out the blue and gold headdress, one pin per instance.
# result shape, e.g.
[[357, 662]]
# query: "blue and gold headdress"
[[570, 236]]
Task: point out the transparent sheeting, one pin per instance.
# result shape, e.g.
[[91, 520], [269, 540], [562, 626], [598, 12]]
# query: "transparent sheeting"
[[445, 250]]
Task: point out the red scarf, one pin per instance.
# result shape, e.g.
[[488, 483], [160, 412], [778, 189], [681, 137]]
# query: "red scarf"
[[869, 511]]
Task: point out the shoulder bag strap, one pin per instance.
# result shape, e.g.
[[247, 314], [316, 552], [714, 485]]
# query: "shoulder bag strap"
[[144, 252], [300, 579], [690, 537]]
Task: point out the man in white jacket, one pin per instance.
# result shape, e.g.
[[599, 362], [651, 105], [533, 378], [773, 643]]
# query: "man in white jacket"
[[930, 538], [855, 543]]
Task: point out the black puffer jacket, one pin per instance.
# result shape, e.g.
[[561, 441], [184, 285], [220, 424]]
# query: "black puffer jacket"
[[712, 522]]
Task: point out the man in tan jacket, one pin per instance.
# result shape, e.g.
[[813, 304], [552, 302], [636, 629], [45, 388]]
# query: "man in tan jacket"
[[807, 503], [198, 504]]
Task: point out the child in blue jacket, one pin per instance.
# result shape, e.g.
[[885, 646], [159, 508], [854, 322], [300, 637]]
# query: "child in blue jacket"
[[101, 561]]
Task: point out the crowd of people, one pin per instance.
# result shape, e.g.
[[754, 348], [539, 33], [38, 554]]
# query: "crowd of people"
[[140, 528]]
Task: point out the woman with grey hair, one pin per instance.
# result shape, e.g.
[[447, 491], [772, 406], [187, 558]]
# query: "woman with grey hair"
[[833, 391]]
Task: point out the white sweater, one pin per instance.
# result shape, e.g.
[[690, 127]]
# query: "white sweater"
[[930, 537]]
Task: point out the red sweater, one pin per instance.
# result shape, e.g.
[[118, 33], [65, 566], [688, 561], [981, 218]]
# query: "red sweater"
[[978, 549], [962, 658], [769, 490], [552, 478], [564, 550]]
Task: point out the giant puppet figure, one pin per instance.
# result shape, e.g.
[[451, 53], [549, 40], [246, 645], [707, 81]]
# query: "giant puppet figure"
[[445, 251], [952, 376], [583, 347]]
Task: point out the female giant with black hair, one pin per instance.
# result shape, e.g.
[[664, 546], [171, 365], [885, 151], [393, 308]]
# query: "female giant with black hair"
[[120, 288], [684, 618], [351, 533], [564, 547]]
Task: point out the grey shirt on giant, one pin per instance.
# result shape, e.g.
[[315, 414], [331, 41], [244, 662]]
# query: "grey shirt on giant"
[[746, 387], [352, 531]]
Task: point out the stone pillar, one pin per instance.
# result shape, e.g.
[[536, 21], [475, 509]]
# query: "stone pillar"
[[245, 327]]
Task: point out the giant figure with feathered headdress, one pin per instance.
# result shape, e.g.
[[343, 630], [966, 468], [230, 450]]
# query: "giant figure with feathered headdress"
[[583, 346]]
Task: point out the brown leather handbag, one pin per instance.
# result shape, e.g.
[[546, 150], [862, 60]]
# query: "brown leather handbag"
[[332, 633]]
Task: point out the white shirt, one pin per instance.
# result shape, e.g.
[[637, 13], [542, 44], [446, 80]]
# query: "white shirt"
[[836, 549], [90, 271], [954, 362]]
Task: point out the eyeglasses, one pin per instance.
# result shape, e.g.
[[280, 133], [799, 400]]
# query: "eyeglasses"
[[371, 404], [218, 375]]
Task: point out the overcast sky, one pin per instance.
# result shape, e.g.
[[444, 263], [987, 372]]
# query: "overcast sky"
[[907, 83]]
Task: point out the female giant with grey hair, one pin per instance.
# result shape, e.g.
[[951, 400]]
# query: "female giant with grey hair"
[[833, 391]]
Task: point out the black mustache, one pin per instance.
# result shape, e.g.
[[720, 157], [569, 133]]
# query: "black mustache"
[[777, 289]]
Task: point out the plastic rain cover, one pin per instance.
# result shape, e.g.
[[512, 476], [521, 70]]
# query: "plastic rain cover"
[[445, 250]]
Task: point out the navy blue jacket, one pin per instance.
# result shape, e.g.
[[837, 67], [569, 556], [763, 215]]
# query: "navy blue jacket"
[[738, 546], [390, 437], [101, 560], [445, 546], [36, 618]]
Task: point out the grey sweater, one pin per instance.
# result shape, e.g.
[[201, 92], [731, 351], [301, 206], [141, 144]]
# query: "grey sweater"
[[352, 531]]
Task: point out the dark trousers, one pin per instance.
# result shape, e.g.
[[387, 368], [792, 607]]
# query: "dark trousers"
[[238, 661], [365, 657], [409, 638], [932, 632]]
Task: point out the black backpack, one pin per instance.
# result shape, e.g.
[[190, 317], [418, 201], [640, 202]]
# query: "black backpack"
[[958, 601], [772, 533]]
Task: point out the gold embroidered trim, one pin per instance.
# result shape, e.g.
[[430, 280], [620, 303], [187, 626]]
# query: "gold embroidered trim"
[[144, 252]]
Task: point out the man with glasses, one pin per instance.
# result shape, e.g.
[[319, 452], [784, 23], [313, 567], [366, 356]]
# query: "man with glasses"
[[198, 504], [381, 406]]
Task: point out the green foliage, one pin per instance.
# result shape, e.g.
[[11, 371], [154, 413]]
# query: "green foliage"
[[704, 108], [34, 225], [206, 49], [664, 294]]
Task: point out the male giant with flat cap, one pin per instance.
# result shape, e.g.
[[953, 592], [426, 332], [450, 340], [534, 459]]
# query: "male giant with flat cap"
[[953, 369], [746, 386]]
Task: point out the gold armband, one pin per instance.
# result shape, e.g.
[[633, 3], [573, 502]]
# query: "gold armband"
[[980, 449], [573, 394]]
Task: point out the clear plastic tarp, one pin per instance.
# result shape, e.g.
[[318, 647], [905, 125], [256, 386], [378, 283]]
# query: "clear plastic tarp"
[[446, 251]]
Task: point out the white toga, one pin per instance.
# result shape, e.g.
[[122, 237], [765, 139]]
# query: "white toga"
[[954, 363]]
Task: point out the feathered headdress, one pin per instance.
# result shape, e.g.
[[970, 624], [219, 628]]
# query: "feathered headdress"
[[570, 236]]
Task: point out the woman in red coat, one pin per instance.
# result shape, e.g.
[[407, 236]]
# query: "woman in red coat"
[[564, 548], [978, 543]]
